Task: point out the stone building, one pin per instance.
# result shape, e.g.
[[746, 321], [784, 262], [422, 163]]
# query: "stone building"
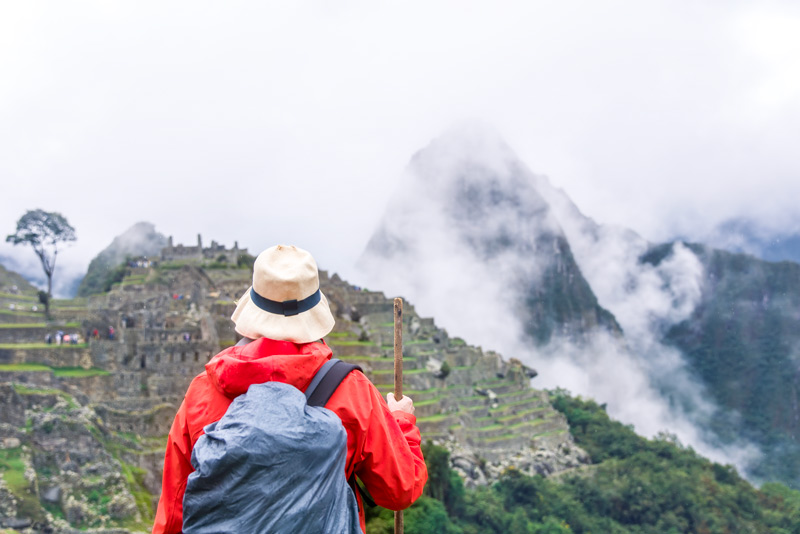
[[214, 252]]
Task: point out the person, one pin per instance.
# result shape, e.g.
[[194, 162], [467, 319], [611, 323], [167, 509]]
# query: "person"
[[283, 318]]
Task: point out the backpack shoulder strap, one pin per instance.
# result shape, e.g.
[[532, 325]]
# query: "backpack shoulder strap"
[[322, 386], [327, 379]]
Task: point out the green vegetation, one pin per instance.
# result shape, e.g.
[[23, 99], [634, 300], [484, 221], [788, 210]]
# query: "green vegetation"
[[19, 367], [339, 335], [741, 341], [53, 346], [26, 390], [635, 486], [39, 325], [349, 343], [12, 467], [78, 372], [57, 371], [14, 296], [22, 313]]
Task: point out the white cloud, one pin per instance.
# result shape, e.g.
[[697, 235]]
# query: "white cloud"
[[272, 122]]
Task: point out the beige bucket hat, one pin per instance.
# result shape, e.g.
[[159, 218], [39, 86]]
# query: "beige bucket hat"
[[284, 301]]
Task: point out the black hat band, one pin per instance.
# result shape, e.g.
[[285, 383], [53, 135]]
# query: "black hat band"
[[287, 307]]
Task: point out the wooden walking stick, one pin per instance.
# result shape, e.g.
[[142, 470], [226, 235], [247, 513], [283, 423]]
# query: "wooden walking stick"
[[398, 380]]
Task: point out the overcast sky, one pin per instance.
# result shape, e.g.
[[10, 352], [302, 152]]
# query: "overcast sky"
[[293, 121]]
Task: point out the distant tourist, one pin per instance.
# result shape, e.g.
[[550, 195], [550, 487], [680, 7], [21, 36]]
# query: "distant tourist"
[[111, 333], [95, 334], [48, 338]]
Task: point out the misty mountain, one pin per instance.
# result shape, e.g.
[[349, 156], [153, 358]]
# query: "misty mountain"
[[457, 217], [141, 239], [503, 258], [742, 340], [749, 237], [12, 282]]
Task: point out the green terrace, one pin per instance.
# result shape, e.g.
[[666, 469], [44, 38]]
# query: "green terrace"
[[23, 313], [30, 298], [22, 389], [502, 437], [490, 428], [376, 358], [31, 346], [353, 343], [555, 432], [483, 419], [27, 390], [61, 372], [428, 402], [523, 413], [174, 265], [530, 424], [412, 392], [40, 325], [77, 302], [522, 402], [493, 383], [405, 372], [436, 418]]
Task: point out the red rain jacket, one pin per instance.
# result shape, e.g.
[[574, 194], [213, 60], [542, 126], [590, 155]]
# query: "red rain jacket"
[[383, 447]]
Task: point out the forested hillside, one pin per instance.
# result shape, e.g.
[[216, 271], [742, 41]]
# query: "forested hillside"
[[633, 486]]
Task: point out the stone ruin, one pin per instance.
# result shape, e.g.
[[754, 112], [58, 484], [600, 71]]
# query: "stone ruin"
[[168, 322], [198, 253]]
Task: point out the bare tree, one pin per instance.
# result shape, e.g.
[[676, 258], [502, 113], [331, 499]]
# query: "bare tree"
[[43, 230]]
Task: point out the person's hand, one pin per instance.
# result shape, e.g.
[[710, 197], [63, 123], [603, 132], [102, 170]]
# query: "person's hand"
[[404, 405]]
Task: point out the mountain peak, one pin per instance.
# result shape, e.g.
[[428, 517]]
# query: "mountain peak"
[[141, 239], [471, 210], [465, 145]]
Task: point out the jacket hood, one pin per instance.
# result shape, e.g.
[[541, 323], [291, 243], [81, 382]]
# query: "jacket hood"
[[236, 368]]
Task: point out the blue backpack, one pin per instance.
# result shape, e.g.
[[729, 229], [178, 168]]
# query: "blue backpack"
[[274, 463]]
